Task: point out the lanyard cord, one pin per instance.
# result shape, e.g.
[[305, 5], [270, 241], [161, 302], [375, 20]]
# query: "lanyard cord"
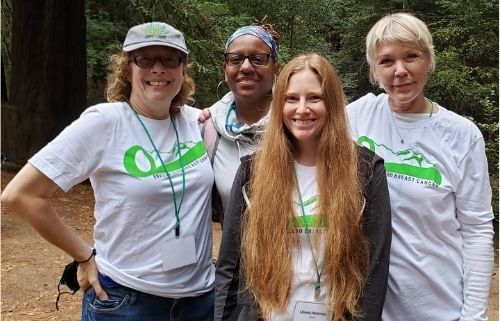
[[177, 209], [237, 124], [319, 272]]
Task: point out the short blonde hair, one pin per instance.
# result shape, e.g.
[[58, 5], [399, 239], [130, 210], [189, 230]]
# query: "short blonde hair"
[[399, 27], [119, 87]]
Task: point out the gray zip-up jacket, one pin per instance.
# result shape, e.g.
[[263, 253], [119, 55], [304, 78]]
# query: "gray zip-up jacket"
[[232, 302]]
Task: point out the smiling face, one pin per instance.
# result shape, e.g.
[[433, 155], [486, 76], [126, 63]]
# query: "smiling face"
[[249, 83], [304, 111], [402, 70], [154, 88]]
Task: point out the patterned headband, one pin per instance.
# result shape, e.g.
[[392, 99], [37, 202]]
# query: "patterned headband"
[[258, 32]]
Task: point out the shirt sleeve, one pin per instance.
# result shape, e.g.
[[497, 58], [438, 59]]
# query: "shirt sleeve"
[[76, 152], [192, 114], [473, 201]]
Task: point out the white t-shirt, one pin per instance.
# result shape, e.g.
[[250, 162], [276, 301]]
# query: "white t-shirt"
[[441, 251], [305, 271], [134, 206]]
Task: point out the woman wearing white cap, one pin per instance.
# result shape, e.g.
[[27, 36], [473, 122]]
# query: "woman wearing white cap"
[[143, 153]]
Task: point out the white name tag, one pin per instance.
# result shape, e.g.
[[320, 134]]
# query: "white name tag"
[[178, 252], [307, 311]]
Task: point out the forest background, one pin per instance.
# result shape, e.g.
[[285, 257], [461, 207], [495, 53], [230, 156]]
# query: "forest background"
[[55, 54]]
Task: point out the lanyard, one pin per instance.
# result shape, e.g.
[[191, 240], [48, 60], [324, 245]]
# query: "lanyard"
[[233, 127], [177, 209], [319, 272]]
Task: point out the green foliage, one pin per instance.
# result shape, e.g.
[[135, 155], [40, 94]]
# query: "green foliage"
[[301, 27], [101, 42]]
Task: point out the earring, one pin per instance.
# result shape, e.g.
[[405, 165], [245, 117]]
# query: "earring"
[[217, 89]]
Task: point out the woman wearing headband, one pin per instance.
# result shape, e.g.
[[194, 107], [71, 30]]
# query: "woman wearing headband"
[[442, 240], [238, 119], [143, 152]]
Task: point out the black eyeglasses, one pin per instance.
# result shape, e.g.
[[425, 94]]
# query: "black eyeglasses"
[[237, 59], [169, 61]]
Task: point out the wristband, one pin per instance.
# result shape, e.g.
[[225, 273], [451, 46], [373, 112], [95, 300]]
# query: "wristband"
[[91, 255]]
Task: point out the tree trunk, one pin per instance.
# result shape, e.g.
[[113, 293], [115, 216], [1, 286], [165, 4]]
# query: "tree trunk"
[[4, 85], [48, 74]]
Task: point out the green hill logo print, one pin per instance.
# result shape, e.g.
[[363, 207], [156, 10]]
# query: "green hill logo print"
[[406, 162], [139, 162], [310, 219]]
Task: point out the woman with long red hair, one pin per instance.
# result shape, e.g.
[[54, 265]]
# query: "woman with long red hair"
[[309, 213]]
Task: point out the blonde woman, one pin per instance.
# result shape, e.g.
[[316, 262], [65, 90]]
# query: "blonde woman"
[[309, 214], [442, 244]]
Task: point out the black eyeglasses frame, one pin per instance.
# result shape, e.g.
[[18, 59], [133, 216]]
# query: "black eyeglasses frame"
[[249, 57]]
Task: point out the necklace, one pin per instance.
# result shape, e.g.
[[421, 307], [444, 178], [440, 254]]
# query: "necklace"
[[317, 267], [431, 109]]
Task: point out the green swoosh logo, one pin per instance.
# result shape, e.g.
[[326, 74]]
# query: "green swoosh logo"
[[194, 153], [429, 172]]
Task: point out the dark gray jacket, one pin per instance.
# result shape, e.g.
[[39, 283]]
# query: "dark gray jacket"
[[232, 303]]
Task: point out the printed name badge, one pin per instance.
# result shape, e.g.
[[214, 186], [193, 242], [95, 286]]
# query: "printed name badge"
[[178, 252], [308, 311]]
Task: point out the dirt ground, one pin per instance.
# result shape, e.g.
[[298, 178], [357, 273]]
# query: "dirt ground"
[[31, 267]]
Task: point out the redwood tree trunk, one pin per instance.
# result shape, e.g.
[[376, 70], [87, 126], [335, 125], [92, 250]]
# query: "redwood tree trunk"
[[4, 85], [48, 75]]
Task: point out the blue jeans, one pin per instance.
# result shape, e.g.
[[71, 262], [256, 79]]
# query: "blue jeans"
[[126, 304]]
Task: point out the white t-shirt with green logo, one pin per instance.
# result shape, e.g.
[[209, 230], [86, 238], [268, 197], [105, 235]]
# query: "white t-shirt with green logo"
[[304, 278], [441, 251], [134, 208]]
